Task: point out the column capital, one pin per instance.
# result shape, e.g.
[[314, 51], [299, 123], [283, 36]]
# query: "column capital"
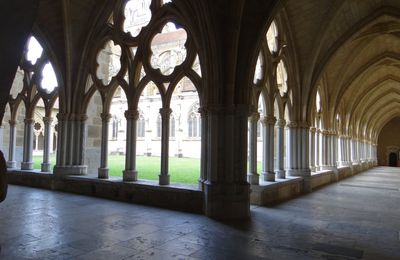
[[12, 122], [47, 120], [105, 117], [254, 117], [325, 132], [29, 121], [131, 114], [60, 117], [202, 111], [298, 124], [304, 124], [333, 133], [313, 129], [165, 112], [292, 124], [269, 120], [82, 117], [281, 123]]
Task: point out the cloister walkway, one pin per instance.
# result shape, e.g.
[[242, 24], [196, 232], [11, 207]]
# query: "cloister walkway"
[[356, 218]]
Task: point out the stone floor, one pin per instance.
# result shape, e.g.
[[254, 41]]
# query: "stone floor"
[[353, 219]]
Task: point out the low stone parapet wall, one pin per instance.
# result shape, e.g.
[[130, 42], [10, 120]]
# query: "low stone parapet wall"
[[176, 197]]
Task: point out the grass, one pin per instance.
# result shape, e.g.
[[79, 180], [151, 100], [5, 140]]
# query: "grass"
[[181, 170]]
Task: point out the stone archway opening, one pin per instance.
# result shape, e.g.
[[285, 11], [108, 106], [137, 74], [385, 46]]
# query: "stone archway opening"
[[393, 159]]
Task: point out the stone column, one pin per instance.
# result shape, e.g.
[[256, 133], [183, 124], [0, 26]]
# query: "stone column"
[[299, 164], [46, 166], [103, 170], [164, 176], [130, 173], [36, 141], [323, 150], [289, 146], [71, 144], [268, 149], [329, 149], [11, 163], [334, 149], [348, 146], [27, 163], [82, 139], [60, 159], [203, 156], [226, 191], [351, 151], [299, 149], [252, 175], [280, 135], [317, 150], [341, 150], [312, 149]]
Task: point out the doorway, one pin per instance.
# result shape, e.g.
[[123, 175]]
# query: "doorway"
[[393, 159]]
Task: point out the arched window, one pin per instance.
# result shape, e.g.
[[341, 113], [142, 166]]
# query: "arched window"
[[272, 37], [114, 133], [159, 126], [172, 126], [141, 127], [281, 78], [194, 122], [318, 102]]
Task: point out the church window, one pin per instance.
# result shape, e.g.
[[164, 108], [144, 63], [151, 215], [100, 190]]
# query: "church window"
[[281, 78], [194, 122], [272, 37], [141, 127]]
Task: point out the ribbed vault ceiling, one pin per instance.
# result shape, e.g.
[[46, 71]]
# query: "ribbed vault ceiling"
[[351, 49]]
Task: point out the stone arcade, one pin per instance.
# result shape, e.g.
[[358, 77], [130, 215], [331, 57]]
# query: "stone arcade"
[[305, 87], [275, 98]]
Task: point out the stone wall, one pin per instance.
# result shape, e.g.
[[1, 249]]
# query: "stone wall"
[[389, 139], [93, 134]]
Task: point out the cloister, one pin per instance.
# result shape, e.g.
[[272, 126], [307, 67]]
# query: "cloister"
[[308, 90]]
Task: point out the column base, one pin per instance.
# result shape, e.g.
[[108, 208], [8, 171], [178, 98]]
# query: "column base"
[[201, 184], [328, 168], [46, 167], [268, 176], [313, 169], [164, 179], [253, 178], [70, 170], [280, 174], [299, 172], [11, 164], [102, 173], [305, 174], [26, 165], [227, 201], [130, 175]]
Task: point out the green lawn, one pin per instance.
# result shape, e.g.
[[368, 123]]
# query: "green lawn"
[[181, 170]]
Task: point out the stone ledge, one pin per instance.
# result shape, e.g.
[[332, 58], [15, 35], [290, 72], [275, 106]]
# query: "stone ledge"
[[322, 178], [270, 193], [176, 197]]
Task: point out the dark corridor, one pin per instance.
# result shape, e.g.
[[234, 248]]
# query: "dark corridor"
[[393, 159]]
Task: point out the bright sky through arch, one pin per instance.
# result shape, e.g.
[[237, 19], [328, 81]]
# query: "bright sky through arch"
[[49, 80], [34, 50]]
